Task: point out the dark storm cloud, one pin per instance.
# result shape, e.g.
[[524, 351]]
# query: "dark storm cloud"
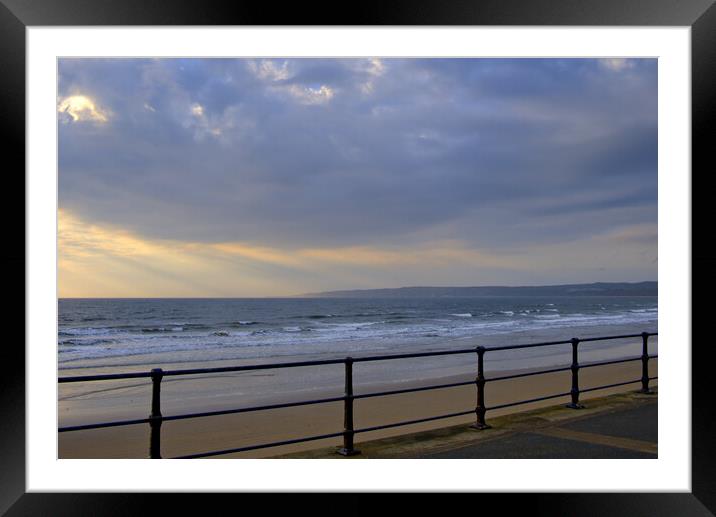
[[362, 152]]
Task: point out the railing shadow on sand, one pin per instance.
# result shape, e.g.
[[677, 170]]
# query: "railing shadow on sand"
[[155, 419]]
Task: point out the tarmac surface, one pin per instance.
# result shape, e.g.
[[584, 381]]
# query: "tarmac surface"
[[626, 433]]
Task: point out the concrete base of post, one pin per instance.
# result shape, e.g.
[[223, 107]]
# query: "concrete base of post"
[[574, 406], [480, 427], [348, 452]]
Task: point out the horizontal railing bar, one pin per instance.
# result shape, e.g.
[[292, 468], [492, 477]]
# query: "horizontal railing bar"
[[565, 342], [261, 446], [609, 386], [104, 377], [253, 408], [410, 390], [616, 361], [101, 425], [605, 338], [653, 378], [528, 374], [367, 358], [247, 367], [528, 345], [528, 401], [409, 422], [194, 371], [201, 415]]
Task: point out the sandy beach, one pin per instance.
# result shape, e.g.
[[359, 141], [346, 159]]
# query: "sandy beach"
[[113, 400]]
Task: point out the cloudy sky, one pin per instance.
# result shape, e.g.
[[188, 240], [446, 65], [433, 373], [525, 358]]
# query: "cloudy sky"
[[269, 177]]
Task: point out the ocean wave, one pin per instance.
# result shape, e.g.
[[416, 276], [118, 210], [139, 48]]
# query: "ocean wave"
[[152, 330], [462, 315], [85, 342], [86, 331], [112, 352], [298, 329]]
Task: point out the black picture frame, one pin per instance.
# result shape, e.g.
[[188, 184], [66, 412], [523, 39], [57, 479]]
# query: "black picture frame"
[[17, 15]]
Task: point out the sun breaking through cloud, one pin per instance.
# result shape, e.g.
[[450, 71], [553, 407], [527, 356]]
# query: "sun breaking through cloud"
[[81, 108]]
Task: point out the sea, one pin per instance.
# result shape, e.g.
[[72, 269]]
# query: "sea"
[[132, 332]]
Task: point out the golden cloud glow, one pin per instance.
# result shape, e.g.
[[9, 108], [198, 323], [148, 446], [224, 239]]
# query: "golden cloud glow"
[[79, 239], [98, 260], [434, 254], [82, 108], [104, 261], [258, 253]]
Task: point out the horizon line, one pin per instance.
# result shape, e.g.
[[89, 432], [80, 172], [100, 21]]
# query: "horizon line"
[[312, 294]]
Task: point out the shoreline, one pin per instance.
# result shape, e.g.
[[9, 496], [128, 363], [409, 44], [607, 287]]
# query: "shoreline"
[[88, 402]]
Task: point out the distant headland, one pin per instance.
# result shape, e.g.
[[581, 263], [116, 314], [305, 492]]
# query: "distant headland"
[[593, 289]]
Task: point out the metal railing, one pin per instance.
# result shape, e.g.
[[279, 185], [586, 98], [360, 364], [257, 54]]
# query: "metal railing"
[[155, 419]]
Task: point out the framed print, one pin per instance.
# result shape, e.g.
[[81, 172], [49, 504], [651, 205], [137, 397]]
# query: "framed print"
[[363, 150]]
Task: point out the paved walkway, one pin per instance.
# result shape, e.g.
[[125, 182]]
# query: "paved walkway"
[[625, 433]]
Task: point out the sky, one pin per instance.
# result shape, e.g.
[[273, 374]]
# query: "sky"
[[275, 177]]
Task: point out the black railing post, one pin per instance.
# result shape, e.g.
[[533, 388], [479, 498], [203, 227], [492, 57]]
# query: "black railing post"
[[574, 393], [645, 364], [155, 418], [480, 385], [348, 432]]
